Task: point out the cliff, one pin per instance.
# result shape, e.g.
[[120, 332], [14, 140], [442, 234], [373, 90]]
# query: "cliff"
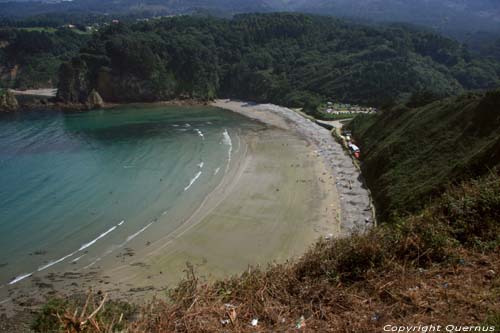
[[411, 155], [8, 102]]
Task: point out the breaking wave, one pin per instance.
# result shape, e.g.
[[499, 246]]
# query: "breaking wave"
[[195, 178]]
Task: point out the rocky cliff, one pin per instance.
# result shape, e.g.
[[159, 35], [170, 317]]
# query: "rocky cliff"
[[8, 102]]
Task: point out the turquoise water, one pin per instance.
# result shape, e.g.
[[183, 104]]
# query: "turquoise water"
[[77, 186]]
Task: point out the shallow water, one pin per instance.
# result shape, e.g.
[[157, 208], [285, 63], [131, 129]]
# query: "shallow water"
[[75, 187]]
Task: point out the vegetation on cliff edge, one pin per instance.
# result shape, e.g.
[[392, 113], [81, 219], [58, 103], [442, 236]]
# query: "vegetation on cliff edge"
[[283, 58], [31, 58], [410, 155], [420, 268]]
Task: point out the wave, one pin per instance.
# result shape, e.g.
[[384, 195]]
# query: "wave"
[[187, 125], [201, 165], [83, 247], [129, 238], [92, 263], [5, 301], [76, 259], [226, 139], [195, 178], [20, 277], [216, 171], [52, 263], [92, 242], [200, 133]]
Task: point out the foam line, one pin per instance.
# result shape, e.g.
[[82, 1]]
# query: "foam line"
[[129, 238], [195, 178], [200, 133], [20, 277], [53, 262], [226, 139], [76, 259], [92, 242], [92, 263]]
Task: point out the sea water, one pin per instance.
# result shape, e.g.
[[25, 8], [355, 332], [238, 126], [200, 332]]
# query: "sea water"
[[76, 187]]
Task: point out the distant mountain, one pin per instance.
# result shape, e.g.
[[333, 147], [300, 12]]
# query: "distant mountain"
[[443, 15]]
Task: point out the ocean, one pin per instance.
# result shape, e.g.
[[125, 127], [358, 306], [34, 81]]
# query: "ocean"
[[78, 187]]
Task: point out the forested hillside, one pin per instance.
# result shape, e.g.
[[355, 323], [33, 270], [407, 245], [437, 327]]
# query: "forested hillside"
[[31, 58], [283, 58], [456, 17], [412, 155]]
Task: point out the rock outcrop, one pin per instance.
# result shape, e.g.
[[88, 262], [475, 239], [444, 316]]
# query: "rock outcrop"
[[73, 85], [8, 102], [94, 100]]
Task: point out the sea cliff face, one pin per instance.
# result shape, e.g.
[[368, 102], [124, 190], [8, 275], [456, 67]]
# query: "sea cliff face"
[[8, 102]]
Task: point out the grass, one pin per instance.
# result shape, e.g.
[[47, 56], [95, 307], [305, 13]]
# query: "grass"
[[412, 155], [432, 170], [421, 269]]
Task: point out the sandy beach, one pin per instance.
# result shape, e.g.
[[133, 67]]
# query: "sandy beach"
[[355, 202], [288, 185], [46, 92]]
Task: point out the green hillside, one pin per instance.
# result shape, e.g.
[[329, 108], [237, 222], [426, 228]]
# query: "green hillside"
[[412, 154], [30, 58], [283, 58]]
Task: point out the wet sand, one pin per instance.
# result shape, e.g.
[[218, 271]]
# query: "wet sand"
[[276, 199], [355, 202]]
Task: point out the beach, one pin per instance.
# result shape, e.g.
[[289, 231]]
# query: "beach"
[[355, 202], [288, 184]]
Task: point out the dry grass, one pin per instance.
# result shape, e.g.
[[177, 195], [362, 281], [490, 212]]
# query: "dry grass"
[[423, 270]]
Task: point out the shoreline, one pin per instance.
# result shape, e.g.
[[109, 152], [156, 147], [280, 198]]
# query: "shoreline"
[[279, 208], [355, 200], [254, 217]]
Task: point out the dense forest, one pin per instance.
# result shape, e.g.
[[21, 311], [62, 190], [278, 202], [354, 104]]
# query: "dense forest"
[[30, 58], [290, 59], [454, 17]]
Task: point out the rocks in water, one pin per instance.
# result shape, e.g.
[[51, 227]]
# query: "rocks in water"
[[94, 100], [8, 102]]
